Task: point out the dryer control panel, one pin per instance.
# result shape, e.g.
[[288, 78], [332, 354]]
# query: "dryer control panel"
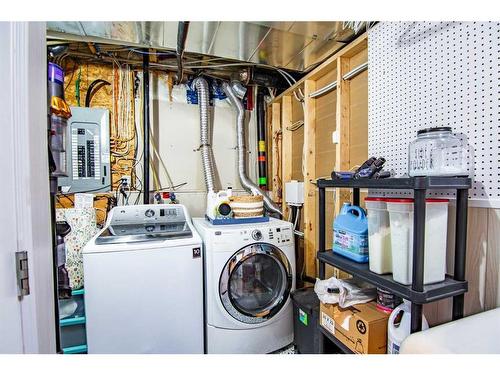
[[278, 235]]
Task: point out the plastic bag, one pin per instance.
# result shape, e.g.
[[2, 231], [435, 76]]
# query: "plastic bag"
[[346, 292]]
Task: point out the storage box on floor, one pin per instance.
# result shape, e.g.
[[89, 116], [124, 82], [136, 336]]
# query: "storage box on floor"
[[362, 328]]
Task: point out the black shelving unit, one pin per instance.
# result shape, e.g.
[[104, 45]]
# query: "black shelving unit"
[[336, 341], [453, 286]]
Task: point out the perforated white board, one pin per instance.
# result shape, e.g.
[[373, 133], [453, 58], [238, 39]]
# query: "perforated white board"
[[424, 74]]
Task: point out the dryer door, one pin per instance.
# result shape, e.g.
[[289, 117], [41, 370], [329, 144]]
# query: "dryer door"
[[255, 283]]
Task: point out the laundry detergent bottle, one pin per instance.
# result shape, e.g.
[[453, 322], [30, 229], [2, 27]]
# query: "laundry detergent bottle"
[[350, 233], [398, 326]]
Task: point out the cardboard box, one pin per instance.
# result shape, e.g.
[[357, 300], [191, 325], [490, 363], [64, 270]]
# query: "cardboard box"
[[362, 328]]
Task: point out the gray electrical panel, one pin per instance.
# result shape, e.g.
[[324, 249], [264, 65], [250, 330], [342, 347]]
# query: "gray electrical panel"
[[87, 149]]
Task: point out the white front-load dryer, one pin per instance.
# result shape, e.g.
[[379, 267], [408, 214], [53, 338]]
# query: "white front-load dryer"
[[249, 275]]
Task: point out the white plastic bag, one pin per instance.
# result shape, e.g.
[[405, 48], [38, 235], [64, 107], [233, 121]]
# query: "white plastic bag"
[[346, 292]]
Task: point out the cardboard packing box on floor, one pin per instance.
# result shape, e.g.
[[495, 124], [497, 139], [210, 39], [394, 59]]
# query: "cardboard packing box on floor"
[[362, 328]]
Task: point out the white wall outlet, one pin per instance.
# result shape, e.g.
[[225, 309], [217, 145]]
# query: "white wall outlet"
[[335, 137]]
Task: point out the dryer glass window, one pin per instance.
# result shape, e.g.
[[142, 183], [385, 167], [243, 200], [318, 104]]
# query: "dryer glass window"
[[256, 284]]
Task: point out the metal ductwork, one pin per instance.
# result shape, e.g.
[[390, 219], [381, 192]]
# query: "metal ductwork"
[[182, 32], [238, 89], [201, 86], [246, 183], [285, 44]]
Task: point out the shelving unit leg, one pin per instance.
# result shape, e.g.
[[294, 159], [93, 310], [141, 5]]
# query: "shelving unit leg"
[[322, 229], [418, 256], [460, 249], [321, 340], [355, 196]]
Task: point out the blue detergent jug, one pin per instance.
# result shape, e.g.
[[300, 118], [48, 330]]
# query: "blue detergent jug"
[[350, 233]]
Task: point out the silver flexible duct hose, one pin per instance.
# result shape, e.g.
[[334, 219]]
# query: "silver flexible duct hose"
[[201, 86], [247, 184]]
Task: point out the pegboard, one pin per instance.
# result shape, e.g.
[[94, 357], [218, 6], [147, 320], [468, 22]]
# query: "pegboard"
[[427, 74]]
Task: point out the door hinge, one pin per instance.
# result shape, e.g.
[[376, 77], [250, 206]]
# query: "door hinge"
[[23, 282]]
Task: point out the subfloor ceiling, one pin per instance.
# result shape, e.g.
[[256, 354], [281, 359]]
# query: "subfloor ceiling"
[[291, 45]]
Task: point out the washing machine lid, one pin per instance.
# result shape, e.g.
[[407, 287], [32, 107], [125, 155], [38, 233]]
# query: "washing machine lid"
[[143, 232]]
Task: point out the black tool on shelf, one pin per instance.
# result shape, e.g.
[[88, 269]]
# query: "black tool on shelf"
[[453, 286]]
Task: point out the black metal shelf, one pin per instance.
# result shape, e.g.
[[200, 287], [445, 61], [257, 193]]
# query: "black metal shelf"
[[399, 183], [417, 293], [432, 292], [336, 341]]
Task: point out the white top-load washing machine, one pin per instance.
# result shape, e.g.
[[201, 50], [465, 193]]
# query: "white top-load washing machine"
[[144, 282], [249, 274]]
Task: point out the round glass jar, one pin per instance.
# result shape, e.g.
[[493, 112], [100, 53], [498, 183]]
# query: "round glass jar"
[[437, 152]]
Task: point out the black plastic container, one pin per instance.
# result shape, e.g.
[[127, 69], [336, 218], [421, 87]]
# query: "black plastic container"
[[305, 323], [305, 320]]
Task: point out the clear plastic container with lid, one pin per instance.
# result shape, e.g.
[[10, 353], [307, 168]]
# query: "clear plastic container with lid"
[[379, 235], [437, 152], [436, 229]]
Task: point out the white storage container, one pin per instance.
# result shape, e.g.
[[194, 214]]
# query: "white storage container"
[[379, 235], [436, 225]]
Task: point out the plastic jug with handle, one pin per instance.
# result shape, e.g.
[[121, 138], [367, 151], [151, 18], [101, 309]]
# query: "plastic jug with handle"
[[350, 233], [398, 326]]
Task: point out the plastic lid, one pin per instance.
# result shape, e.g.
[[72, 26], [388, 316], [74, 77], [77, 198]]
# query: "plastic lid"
[[399, 200], [411, 200], [432, 130], [436, 200], [375, 199]]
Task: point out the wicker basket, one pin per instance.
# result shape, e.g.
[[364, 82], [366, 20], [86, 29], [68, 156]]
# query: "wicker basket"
[[247, 205]]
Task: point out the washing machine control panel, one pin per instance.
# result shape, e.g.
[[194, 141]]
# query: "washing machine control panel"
[[157, 213]]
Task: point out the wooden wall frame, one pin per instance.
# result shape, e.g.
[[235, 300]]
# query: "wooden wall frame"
[[319, 156]]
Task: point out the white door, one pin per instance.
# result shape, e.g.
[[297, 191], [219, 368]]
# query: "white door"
[[27, 325], [10, 311]]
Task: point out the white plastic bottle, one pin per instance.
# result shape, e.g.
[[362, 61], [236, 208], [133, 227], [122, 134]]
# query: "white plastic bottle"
[[398, 326]]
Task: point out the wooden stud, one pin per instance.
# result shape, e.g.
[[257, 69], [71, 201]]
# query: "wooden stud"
[[342, 161], [310, 210], [153, 57], [286, 148], [276, 147], [269, 147]]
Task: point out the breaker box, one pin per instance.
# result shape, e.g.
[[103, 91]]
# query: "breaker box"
[[87, 149]]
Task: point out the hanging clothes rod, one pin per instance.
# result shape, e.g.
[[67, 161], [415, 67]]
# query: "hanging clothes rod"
[[353, 73], [333, 85], [322, 91]]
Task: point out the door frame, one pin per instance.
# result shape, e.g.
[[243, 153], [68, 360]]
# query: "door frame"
[[28, 87]]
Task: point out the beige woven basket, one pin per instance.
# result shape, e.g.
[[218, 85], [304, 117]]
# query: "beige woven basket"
[[247, 205]]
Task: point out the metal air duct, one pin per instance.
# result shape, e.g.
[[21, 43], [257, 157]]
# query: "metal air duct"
[[201, 86], [246, 183]]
